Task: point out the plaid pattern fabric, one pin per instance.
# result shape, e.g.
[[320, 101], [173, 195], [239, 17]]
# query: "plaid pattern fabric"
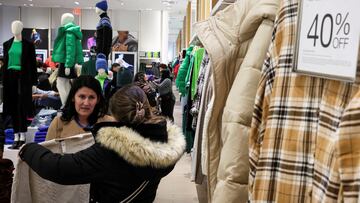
[[200, 83], [294, 127], [348, 151]]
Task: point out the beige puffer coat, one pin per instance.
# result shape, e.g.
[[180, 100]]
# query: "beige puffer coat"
[[240, 32]]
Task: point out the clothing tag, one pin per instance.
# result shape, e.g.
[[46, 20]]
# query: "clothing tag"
[[328, 39], [63, 147]]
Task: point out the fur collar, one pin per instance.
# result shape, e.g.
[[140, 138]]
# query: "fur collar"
[[140, 151]]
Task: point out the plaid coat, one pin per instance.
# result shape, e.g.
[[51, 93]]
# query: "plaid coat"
[[348, 151], [294, 131]]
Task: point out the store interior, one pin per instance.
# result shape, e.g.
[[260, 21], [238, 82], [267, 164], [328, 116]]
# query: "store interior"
[[252, 101]]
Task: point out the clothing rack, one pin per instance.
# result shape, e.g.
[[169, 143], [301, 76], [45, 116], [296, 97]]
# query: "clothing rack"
[[220, 5]]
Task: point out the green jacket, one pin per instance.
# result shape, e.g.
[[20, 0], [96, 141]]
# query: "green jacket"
[[180, 79], [67, 46]]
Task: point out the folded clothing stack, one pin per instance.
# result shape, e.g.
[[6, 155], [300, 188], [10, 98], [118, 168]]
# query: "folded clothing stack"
[[9, 136], [40, 135]]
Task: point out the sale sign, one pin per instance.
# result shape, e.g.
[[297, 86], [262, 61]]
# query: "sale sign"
[[328, 38]]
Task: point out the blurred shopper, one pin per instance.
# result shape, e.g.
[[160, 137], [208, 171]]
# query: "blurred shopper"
[[167, 98]]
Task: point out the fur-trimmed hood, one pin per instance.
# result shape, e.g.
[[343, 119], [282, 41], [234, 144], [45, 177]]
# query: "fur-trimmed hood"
[[140, 151]]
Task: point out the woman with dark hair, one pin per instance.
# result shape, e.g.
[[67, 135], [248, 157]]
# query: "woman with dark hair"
[[167, 98], [141, 81], [129, 156], [84, 107]]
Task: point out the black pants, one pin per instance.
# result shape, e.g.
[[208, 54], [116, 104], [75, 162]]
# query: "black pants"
[[167, 105], [18, 109]]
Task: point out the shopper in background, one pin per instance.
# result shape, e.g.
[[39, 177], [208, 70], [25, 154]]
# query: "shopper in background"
[[124, 42], [84, 107], [115, 68], [164, 87], [129, 156], [140, 80], [124, 77]]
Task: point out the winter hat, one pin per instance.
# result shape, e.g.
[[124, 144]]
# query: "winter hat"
[[101, 62], [102, 5]]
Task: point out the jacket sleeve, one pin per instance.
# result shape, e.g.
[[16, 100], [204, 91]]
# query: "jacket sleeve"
[[70, 50], [33, 70], [164, 87], [68, 169]]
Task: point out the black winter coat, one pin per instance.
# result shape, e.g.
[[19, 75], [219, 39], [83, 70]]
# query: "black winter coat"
[[103, 36], [28, 76], [126, 163]]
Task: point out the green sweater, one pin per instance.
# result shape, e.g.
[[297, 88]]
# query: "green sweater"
[[89, 67], [15, 53]]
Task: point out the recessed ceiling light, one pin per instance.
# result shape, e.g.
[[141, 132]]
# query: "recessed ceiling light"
[[122, 3], [30, 0], [76, 2], [31, 4], [25, 4]]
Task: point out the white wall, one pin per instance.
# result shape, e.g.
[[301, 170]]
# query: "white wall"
[[171, 51], [151, 27], [89, 19], [56, 14], [150, 31], [164, 37], [125, 20], [35, 17], [7, 15]]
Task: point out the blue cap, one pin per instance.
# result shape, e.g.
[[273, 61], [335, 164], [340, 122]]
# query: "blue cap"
[[102, 5], [101, 62]]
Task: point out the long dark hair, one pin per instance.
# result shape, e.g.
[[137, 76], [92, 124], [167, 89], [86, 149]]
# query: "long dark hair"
[[100, 109], [139, 77], [165, 74]]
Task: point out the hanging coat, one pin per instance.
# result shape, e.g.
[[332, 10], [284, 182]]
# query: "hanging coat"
[[295, 127], [28, 76], [67, 46], [227, 37], [182, 73]]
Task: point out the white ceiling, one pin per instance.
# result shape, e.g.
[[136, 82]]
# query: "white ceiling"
[[176, 8]]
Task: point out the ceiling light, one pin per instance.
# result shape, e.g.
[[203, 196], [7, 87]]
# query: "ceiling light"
[[31, 4], [25, 4], [122, 3], [76, 2], [30, 0]]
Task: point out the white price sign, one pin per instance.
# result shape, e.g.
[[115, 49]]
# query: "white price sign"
[[328, 38]]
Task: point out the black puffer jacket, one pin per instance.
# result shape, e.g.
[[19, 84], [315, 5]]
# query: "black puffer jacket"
[[125, 164]]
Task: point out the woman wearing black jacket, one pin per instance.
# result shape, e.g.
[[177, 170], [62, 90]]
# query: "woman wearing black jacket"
[[128, 159]]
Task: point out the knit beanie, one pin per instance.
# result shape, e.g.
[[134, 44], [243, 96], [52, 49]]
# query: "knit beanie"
[[102, 5], [101, 62]]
